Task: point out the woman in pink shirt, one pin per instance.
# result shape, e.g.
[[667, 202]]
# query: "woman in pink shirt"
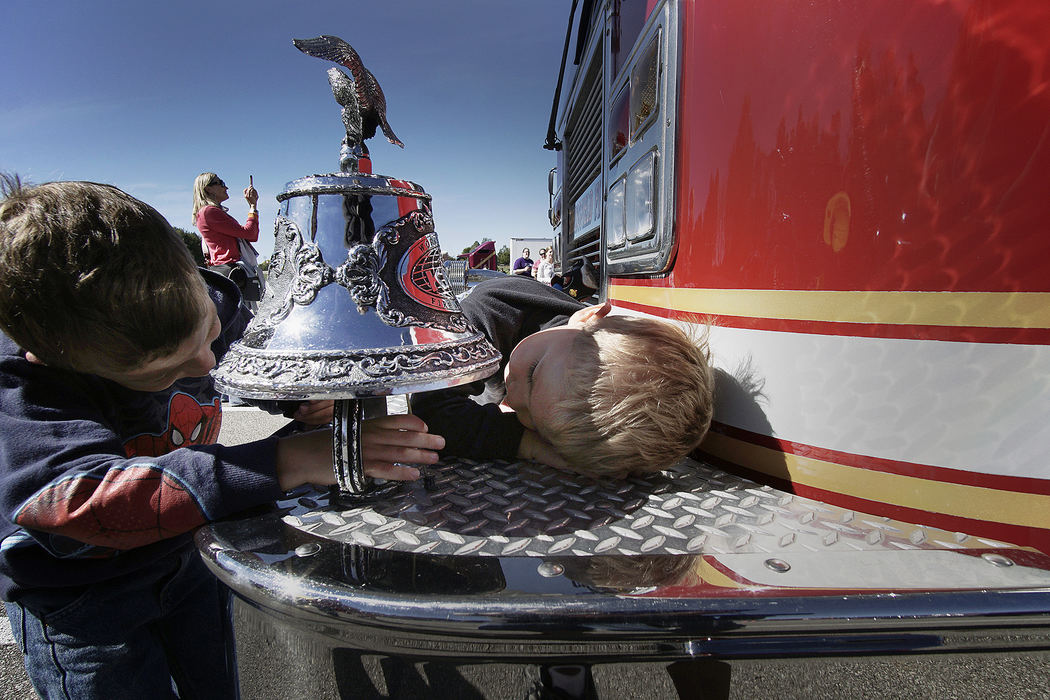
[[229, 244]]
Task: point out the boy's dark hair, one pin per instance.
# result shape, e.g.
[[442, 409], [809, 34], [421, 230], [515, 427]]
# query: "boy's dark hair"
[[91, 278]]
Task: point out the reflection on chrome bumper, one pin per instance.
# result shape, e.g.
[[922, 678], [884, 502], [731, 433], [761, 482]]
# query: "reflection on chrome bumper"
[[569, 594]]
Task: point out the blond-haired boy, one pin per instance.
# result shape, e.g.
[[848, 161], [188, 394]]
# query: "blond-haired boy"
[[600, 394]]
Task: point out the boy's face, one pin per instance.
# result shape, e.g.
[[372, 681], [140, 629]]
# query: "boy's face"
[[535, 376], [193, 358]]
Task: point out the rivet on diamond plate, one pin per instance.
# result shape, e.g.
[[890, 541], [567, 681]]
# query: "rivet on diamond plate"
[[550, 569], [778, 565], [307, 550], [997, 559]]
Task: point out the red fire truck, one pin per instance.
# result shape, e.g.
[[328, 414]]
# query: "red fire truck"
[[853, 196]]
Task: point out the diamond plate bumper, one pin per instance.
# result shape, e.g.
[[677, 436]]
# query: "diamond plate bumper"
[[507, 560]]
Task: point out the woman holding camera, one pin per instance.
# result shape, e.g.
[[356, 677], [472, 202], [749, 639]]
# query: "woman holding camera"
[[228, 243]]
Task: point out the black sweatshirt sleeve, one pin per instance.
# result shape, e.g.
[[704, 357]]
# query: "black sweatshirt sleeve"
[[505, 310]]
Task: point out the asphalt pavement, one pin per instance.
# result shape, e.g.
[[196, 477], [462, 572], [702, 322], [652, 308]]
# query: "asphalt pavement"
[[14, 683]]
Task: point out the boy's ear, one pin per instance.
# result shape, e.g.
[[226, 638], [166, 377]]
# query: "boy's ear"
[[30, 357], [590, 313]]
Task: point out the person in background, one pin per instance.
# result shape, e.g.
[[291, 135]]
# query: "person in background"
[[523, 265], [539, 259], [545, 268], [229, 244]]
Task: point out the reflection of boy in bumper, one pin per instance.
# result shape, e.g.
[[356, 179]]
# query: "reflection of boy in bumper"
[[108, 419], [594, 393]]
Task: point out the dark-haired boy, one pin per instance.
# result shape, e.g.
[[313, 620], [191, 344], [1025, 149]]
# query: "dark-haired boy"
[[108, 420]]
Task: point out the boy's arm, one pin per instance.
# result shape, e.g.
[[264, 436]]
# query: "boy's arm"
[[65, 470], [470, 429], [481, 431]]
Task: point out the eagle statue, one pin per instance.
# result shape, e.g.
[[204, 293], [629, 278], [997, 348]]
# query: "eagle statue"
[[362, 100]]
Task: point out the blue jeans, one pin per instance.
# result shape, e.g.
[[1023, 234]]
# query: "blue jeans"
[[165, 634]]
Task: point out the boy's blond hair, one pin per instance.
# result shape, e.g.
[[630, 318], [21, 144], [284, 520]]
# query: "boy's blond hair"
[[628, 573], [91, 278], [639, 397]]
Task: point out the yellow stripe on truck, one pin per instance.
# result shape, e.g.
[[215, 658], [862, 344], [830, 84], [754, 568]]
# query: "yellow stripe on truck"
[[968, 309], [961, 500]]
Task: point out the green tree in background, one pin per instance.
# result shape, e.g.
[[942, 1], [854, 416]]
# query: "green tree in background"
[[503, 256], [193, 242]]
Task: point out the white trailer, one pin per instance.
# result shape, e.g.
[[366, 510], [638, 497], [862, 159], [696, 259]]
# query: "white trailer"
[[517, 245]]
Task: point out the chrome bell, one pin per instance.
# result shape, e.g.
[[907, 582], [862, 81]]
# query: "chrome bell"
[[379, 319], [357, 305]]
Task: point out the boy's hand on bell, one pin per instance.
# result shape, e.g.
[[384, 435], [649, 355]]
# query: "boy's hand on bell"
[[386, 443], [391, 441], [316, 412], [534, 447]]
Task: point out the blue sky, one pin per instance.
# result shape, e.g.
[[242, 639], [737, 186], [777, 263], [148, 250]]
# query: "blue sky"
[[146, 95]]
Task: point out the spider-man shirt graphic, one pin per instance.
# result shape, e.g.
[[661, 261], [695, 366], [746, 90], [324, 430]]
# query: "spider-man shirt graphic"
[[189, 423]]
